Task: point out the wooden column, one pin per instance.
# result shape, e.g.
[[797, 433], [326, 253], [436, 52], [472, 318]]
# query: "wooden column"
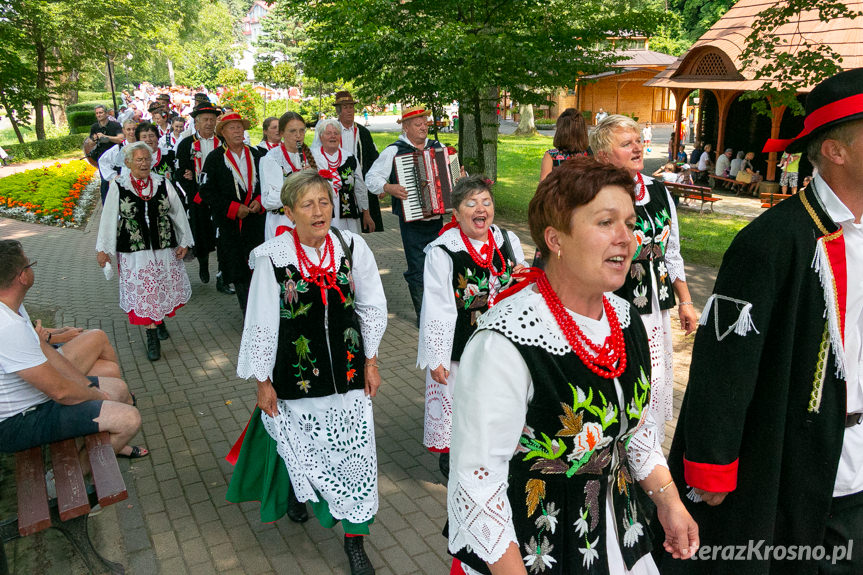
[[680, 95], [776, 113], [723, 99]]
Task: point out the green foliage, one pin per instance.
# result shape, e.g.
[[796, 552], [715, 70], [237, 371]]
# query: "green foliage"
[[766, 54], [231, 77], [245, 101], [88, 106], [308, 109], [80, 119], [279, 40], [697, 16], [94, 97], [49, 148]]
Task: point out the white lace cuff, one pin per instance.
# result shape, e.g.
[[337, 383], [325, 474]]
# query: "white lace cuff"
[[675, 268], [645, 450], [480, 517], [435, 343], [373, 323], [257, 352]]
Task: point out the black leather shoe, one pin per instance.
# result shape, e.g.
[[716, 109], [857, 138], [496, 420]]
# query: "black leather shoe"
[[162, 331], [204, 274], [359, 561], [443, 464], [297, 511], [222, 287], [154, 348]]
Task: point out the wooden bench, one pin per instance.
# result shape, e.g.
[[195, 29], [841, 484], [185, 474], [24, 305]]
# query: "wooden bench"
[[770, 199], [69, 511], [687, 193], [733, 183]]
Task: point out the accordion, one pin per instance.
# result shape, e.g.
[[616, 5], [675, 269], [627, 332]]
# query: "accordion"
[[429, 176]]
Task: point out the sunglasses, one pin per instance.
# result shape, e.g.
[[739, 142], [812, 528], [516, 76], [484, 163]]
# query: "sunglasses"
[[30, 265]]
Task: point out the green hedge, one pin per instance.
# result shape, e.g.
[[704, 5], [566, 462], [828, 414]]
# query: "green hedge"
[[88, 106], [80, 119], [84, 96], [45, 148]]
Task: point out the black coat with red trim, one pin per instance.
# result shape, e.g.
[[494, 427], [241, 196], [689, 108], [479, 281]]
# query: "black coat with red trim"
[[753, 421], [237, 237]]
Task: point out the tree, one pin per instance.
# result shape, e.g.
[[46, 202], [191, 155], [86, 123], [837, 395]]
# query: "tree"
[[526, 125], [434, 51], [787, 70], [280, 37], [232, 77]]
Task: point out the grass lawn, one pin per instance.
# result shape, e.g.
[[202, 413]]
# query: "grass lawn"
[[705, 237], [48, 195]]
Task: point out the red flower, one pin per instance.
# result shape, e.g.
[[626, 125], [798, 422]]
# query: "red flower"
[[351, 374]]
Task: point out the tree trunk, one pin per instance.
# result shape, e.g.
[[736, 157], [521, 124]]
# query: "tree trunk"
[[11, 113], [526, 125], [490, 128], [171, 71], [467, 137], [41, 85], [478, 129]]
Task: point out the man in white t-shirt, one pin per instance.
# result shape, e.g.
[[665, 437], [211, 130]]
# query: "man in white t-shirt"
[[43, 396]]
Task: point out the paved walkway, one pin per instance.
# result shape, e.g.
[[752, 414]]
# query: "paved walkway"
[[176, 519]]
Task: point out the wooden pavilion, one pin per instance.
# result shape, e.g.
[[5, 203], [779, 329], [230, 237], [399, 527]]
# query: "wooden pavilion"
[[713, 66]]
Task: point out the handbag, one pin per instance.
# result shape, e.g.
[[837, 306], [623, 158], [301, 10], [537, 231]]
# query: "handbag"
[[744, 177]]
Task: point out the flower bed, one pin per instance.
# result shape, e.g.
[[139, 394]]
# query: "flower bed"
[[59, 195]]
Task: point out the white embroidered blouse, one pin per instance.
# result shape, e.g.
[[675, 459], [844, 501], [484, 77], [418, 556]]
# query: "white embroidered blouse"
[[673, 259], [261, 329], [490, 413], [438, 315]]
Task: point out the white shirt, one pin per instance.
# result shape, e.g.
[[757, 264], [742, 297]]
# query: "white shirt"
[[19, 350], [379, 173], [849, 475], [111, 161], [722, 163], [702, 161], [647, 134], [348, 141]]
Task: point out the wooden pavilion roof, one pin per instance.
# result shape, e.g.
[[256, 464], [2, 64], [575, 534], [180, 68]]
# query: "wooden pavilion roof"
[[713, 62]]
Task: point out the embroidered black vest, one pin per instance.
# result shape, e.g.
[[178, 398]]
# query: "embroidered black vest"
[[652, 232], [403, 147], [320, 350], [163, 168], [144, 224], [348, 207], [470, 283], [559, 475]]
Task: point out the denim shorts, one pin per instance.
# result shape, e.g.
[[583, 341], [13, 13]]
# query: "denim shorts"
[[49, 422]]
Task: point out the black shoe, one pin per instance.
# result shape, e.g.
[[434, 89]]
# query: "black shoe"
[[204, 274], [443, 464], [154, 348], [222, 287], [297, 511], [162, 331], [359, 561]]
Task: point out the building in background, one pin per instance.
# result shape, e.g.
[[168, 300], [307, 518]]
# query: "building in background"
[[251, 25]]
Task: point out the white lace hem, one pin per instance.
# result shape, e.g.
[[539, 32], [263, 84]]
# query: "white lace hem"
[[435, 343], [437, 423], [480, 517], [257, 352], [524, 318], [645, 449], [328, 446], [152, 283]]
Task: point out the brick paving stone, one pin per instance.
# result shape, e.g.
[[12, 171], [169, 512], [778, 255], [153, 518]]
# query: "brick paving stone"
[[193, 408]]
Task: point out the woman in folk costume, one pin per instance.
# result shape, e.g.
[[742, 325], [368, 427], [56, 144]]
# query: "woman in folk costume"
[[316, 315], [144, 224], [554, 447], [271, 134], [149, 134], [231, 187], [656, 274], [465, 268], [351, 198], [289, 157]]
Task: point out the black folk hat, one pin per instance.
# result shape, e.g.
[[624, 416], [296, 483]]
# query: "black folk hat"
[[205, 108], [836, 100]]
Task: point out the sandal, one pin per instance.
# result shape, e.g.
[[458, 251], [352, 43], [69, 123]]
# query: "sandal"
[[136, 453]]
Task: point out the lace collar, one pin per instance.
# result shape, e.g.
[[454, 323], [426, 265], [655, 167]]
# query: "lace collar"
[[282, 252], [524, 318], [451, 239]]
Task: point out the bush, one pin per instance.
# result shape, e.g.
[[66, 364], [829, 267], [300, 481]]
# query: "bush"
[[46, 148], [80, 119], [544, 126], [245, 101], [88, 106], [84, 96]]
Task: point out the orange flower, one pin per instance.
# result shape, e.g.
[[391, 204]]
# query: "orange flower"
[[351, 374], [350, 356]]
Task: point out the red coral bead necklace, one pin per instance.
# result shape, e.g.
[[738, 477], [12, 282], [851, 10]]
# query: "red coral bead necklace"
[[139, 186], [323, 275], [488, 262]]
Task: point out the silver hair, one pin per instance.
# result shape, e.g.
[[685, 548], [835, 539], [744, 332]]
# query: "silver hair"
[[130, 149], [323, 124], [602, 136]]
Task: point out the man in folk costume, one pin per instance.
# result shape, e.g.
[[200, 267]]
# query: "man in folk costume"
[[231, 186], [770, 435], [381, 178], [358, 141], [192, 151]]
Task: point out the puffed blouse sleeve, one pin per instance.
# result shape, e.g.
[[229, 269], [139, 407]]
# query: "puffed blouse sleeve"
[[517, 250], [272, 178], [673, 259], [261, 327], [107, 239], [370, 302], [493, 388], [438, 314], [645, 451], [177, 213]]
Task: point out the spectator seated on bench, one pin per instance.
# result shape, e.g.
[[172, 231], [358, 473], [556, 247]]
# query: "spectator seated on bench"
[[43, 396], [90, 351]]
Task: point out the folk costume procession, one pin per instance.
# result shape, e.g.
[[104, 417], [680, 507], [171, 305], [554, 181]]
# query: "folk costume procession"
[[547, 390]]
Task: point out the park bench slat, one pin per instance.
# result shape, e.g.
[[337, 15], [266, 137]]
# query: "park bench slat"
[[110, 487], [72, 498], [33, 513]]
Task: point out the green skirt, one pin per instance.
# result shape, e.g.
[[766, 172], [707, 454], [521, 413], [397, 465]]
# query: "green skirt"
[[261, 475]]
